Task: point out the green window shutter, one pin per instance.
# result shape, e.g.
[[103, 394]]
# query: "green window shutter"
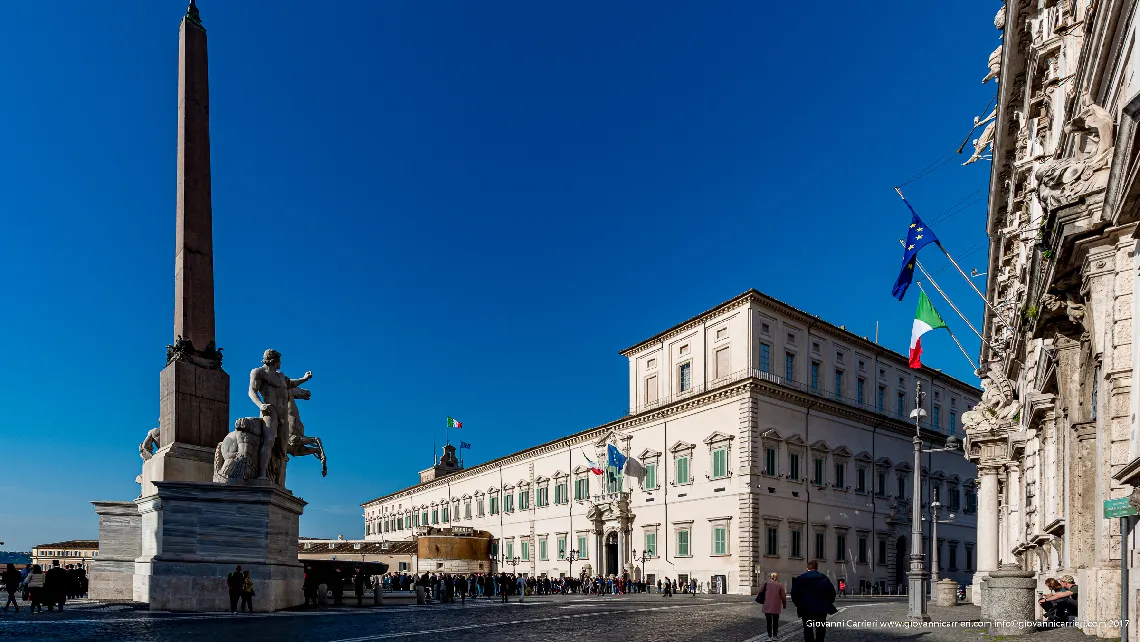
[[720, 541], [651, 476]]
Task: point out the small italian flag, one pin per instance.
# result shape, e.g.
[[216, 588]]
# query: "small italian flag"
[[454, 423], [594, 468], [926, 318]]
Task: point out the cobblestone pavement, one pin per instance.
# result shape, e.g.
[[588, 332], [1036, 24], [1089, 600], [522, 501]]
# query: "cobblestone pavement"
[[626, 618]]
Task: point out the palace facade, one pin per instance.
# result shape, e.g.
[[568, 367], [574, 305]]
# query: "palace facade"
[[1056, 433], [758, 437]]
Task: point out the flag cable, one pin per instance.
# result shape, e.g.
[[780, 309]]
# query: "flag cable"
[[956, 342]]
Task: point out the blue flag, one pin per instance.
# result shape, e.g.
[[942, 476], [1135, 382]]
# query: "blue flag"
[[615, 458], [464, 444], [917, 237]]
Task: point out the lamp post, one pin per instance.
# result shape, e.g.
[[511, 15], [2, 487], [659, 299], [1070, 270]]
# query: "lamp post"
[[934, 506], [645, 555], [573, 556], [916, 576]]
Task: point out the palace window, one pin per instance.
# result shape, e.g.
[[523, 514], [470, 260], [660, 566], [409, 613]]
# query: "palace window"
[[817, 471], [861, 479], [819, 544], [583, 552], [508, 503], [542, 551], [771, 544], [840, 475], [902, 402], [862, 549], [561, 547], [683, 471], [953, 425], [525, 551], [494, 505], [613, 480], [651, 476], [720, 462], [880, 403], [902, 487], [794, 466], [445, 515], [838, 383], [797, 537], [790, 367], [815, 375], [560, 492], [582, 488], [510, 550], [723, 363], [953, 547], [765, 358], [651, 544], [859, 386], [651, 389], [686, 378], [524, 499], [542, 496], [954, 496], [683, 542], [720, 540], [479, 507], [467, 509], [935, 412], [971, 500], [435, 516], [770, 461], [840, 547], [969, 557]]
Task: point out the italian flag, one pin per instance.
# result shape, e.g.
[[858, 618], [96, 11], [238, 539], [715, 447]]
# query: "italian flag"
[[454, 423], [926, 318], [594, 467]]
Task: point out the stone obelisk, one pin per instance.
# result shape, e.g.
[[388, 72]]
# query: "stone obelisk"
[[194, 406]]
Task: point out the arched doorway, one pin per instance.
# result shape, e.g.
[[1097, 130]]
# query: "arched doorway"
[[902, 561], [611, 554]]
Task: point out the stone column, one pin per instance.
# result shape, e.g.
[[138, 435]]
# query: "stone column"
[[987, 547], [1014, 528], [621, 549], [1010, 598]]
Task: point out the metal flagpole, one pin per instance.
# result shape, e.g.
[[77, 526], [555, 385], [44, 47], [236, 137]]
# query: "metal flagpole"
[[958, 343], [964, 276], [935, 284]]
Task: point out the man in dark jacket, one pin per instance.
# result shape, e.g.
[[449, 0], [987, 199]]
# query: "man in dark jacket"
[[233, 585], [814, 596], [359, 583], [55, 585]]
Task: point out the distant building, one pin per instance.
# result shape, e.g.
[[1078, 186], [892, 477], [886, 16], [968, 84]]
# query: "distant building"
[[399, 556], [74, 551], [758, 437]]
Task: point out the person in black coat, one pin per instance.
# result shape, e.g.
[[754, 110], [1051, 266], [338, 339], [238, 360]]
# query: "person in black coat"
[[310, 586], [337, 586], [10, 580], [814, 596], [55, 586], [359, 583]]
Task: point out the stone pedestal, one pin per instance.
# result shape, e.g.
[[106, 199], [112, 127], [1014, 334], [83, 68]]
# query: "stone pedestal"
[[980, 596], [177, 462], [944, 593], [112, 572], [1009, 593], [193, 534]]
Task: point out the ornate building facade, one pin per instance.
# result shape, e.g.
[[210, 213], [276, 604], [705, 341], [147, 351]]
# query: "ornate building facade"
[[1055, 432], [759, 437]]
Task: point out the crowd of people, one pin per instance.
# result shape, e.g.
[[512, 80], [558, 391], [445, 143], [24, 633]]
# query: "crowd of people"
[[40, 587]]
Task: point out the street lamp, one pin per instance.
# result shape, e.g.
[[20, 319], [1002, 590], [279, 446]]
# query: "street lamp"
[[513, 561], [645, 555], [934, 506], [573, 556], [916, 576]]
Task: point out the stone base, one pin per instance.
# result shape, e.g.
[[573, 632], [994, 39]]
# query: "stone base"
[[1009, 593], [111, 575], [178, 462], [194, 533], [944, 593]]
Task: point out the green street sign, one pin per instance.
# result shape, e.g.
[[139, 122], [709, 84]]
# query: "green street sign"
[[1118, 508]]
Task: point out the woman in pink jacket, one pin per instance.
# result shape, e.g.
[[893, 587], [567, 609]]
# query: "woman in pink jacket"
[[775, 601]]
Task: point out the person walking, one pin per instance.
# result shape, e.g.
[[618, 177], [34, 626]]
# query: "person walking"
[[246, 592], [310, 586], [35, 587], [55, 586], [775, 600], [814, 596], [10, 580], [359, 581], [233, 584]]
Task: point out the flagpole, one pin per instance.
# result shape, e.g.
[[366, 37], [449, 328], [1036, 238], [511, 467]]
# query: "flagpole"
[[959, 268], [956, 342]]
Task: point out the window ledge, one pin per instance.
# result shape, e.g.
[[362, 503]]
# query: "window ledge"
[[684, 556], [770, 555], [720, 555]]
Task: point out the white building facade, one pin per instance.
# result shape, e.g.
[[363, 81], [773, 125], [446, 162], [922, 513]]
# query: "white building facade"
[[759, 437]]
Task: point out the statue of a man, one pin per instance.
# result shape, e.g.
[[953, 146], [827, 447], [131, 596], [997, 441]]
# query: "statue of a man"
[[272, 392], [152, 443]]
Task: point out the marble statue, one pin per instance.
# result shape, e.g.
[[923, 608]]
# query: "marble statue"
[[236, 458], [152, 442], [997, 406], [994, 64], [986, 140], [283, 433], [1063, 180]]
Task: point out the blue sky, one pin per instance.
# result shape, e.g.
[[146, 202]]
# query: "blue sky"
[[452, 208]]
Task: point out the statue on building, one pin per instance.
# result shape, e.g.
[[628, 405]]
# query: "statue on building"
[[997, 407], [986, 140], [994, 63], [1063, 180]]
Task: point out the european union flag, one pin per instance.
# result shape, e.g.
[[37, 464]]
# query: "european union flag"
[[615, 458], [464, 444], [918, 236]]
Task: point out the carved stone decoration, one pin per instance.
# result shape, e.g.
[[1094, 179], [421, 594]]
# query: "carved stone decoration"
[[183, 350], [1062, 181], [999, 19], [275, 395], [981, 143], [1052, 304], [994, 62]]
